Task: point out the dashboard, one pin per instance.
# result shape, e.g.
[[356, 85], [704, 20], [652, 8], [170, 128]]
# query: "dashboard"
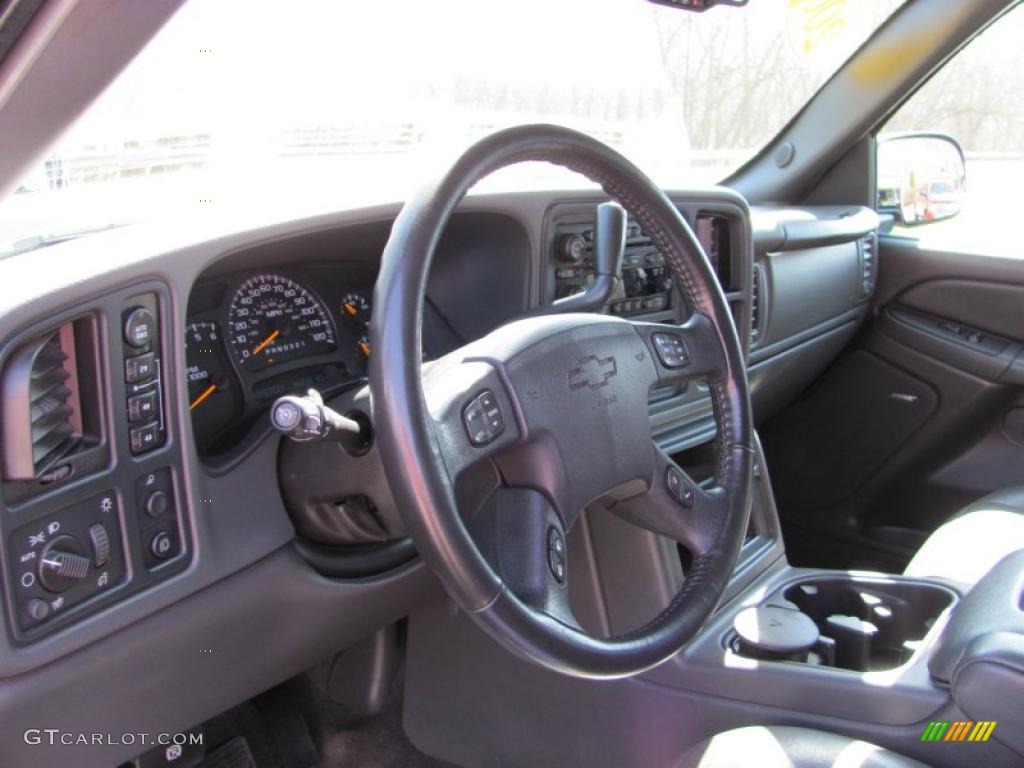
[[161, 348]]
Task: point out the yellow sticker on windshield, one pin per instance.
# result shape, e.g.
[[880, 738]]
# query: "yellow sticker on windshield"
[[819, 31]]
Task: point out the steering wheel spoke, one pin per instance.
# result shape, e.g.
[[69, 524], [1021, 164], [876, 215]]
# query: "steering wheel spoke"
[[521, 535], [676, 506], [472, 413], [684, 352]]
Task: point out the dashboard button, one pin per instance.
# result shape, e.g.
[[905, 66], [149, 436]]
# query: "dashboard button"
[[162, 545], [142, 407], [37, 609], [139, 368], [139, 327], [156, 503], [145, 438]]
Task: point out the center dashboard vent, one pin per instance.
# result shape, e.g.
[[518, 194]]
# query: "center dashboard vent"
[[42, 409]]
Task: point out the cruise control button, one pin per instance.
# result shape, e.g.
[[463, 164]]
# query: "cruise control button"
[[139, 368]]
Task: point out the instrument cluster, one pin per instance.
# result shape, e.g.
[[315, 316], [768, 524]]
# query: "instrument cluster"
[[256, 335]]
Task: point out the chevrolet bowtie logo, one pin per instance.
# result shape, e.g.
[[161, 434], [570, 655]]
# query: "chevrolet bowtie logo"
[[592, 371]]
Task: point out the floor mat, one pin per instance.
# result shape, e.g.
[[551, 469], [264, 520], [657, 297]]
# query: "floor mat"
[[279, 727], [379, 742], [233, 754]]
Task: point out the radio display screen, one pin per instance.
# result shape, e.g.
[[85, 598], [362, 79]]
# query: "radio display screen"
[[713, 235]]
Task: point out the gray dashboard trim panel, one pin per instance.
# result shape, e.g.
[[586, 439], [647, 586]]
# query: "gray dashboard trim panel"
[[260, 626]]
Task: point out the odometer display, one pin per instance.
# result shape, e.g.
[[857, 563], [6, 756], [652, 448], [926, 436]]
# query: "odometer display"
[[273, 320]]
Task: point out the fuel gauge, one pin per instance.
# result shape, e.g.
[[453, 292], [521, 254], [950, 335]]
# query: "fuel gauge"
[[355, 308]]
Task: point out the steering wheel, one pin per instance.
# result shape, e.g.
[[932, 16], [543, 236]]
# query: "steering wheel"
[[494, 450]]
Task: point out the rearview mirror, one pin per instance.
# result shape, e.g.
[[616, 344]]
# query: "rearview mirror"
[[698, 5], [921, 177]]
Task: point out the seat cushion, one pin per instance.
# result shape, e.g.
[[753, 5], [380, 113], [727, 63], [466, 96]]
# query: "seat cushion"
[[788, 747], [967, 546]]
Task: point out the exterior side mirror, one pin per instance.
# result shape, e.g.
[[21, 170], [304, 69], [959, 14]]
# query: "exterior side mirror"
[[921, 177]]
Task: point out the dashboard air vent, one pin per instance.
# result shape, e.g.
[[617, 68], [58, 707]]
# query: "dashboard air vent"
[[41, 417], [869, 264], [756, 303]]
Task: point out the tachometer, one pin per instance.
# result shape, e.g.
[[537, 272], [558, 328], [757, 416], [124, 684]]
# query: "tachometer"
[[213, 395], [273, 319]]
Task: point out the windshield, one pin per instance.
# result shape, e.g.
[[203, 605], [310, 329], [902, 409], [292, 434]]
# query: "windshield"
[[348, 102]]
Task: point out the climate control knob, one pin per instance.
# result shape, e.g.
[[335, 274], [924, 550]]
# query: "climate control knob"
[[63, 562]]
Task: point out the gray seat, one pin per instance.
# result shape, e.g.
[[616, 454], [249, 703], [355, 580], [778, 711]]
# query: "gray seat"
[[788, 747], [965, 547]]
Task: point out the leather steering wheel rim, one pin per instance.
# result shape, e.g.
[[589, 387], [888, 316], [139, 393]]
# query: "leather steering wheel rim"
[[415, 456]]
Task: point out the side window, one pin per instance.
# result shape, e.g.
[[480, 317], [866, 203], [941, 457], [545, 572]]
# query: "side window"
[[977, 98]]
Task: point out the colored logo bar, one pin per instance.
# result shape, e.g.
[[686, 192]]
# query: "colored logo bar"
[[958, 730]]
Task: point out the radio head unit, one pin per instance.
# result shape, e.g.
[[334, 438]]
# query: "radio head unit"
[[646, 285]]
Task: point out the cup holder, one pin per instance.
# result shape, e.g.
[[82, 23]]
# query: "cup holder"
[[864, 624]]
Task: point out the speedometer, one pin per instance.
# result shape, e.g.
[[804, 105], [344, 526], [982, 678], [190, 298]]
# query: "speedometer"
[[273, 320]]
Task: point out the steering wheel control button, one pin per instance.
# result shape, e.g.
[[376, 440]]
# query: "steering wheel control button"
[[671, 350], [483, 418], [678, 488], [139, 327], [686, 497], [556, 554], [37, 609], [142, 407], [140, 368], [557, 565], [556, 542], [100, 542]]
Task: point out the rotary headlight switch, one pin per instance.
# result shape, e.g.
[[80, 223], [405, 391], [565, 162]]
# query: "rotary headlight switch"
[[62, 564]]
